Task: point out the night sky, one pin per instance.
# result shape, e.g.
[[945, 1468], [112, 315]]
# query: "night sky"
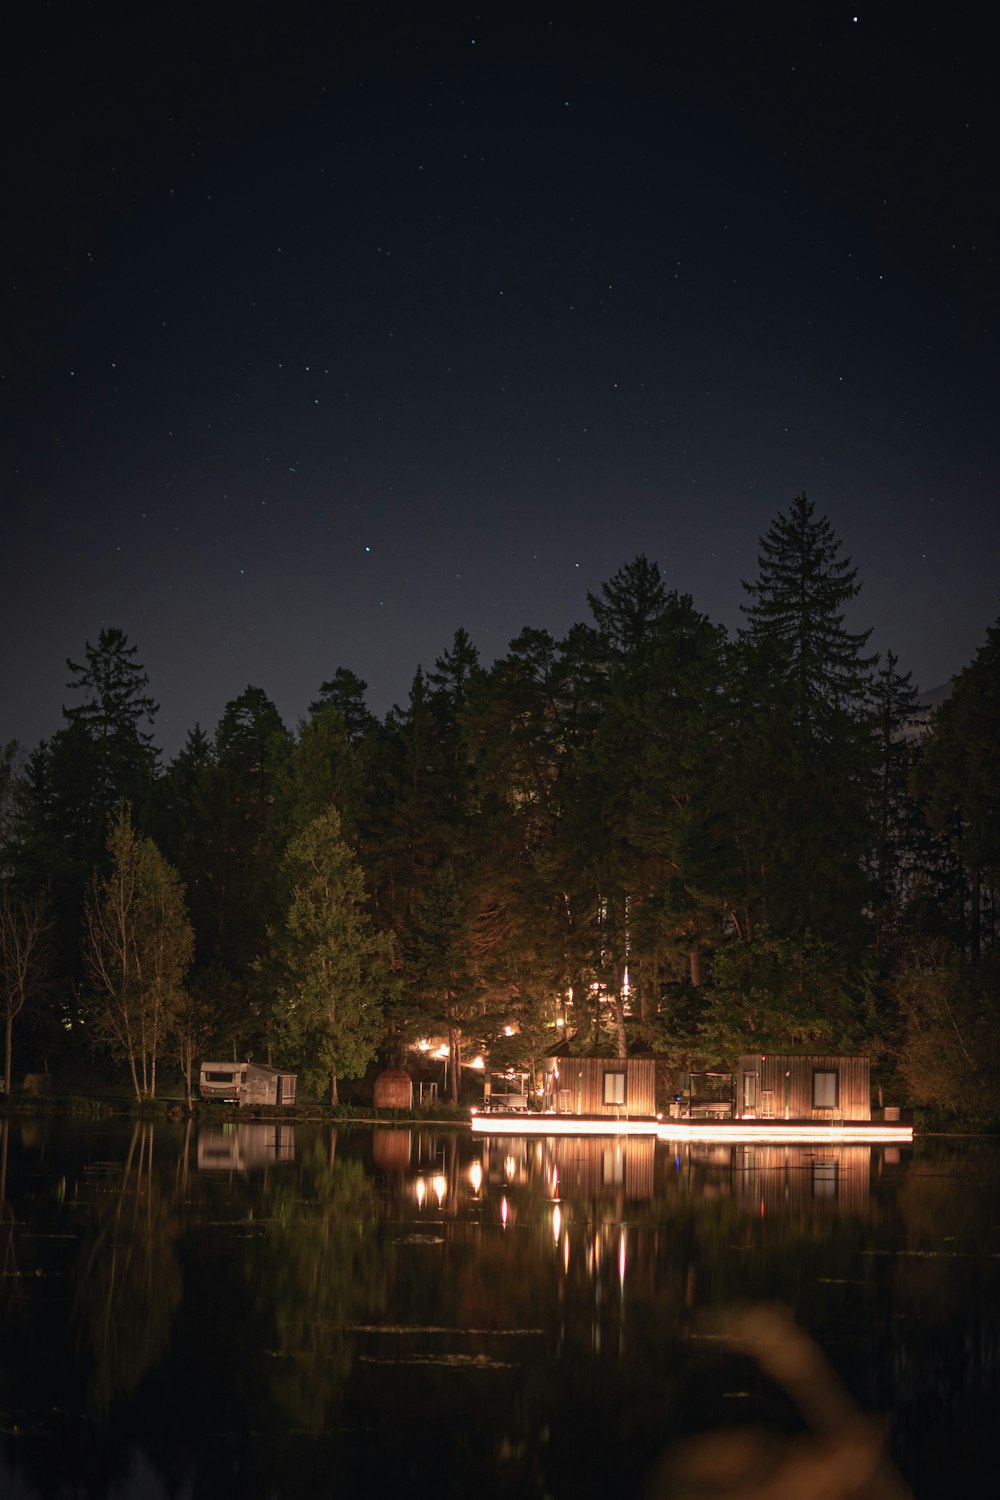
[[328, 329]]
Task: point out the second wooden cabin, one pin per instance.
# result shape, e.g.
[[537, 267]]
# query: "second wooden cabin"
[[776, 1086]]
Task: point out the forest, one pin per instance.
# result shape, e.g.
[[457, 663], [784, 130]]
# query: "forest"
[[648, 836]]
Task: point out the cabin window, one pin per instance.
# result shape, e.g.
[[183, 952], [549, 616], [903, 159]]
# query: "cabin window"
[[826, 1088], [614, 1088]]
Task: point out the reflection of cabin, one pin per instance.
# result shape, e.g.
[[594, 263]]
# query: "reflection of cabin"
[[610, 1086], [246, 1083], [240, 1148], [787, 1180], [580, 1167], [776, 1087]]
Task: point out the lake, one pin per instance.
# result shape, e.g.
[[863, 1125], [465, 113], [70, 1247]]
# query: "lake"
[[260, 1310]]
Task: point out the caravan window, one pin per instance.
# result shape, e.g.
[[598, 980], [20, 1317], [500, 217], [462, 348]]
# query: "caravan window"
[[219, 1077]]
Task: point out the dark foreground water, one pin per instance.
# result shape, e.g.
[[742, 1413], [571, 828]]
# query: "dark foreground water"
[[240, 1310]]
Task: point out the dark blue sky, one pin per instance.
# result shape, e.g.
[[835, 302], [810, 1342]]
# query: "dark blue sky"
[[332, 329]]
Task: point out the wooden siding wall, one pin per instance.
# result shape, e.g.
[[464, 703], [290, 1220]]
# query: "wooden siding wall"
[[854, 1088], [580, 1086]]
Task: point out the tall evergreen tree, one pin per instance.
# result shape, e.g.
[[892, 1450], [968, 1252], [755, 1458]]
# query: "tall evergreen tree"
[[113, 711], [959, 787], [345, 692], [629, 604], [802, 590], [803, 751]]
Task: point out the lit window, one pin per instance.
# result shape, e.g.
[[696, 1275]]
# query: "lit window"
[[614, 1088], [826, 1090]]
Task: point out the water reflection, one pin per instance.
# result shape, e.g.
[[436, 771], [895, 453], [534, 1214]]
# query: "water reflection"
[[320, 1302], [244, 1148]]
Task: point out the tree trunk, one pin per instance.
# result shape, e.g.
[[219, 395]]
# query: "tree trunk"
[[334, 1097], [455, 1052], [695, 960], [8, 1033]]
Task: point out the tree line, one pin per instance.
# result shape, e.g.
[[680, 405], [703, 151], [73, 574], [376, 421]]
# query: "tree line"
[[647, 835]]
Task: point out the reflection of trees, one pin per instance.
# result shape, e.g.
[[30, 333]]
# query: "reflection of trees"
[[320, 1273], [128, 1283], [8, 1248]]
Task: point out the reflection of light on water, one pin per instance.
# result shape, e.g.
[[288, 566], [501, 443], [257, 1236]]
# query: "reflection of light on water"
[[556, 1223], [421, 1191], [509, 1168], [566, 1251], [621, 1259], [476, 1176], [440, 1185], [503, 1212]]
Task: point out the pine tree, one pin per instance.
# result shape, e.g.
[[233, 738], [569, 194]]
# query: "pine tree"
[[802, 590], [629, 604], [345, 692], [959, 787], [115, 707], [803, 754]]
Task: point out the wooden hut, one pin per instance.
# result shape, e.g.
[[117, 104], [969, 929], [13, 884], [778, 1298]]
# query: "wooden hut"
[[246, 1083], [774, 1086], [394, 1089], [611, 1087]]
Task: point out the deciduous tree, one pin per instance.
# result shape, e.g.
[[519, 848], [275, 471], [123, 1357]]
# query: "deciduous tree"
[[138, 947], [334, 968]]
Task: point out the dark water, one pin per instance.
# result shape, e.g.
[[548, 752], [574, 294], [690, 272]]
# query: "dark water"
[[194, 1312]]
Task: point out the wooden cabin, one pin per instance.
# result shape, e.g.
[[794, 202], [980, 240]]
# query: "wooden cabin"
[[775, 1086], [246, 1083], [612, 1087]]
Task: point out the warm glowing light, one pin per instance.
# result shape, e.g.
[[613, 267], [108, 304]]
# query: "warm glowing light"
[[684, 1130], [566, 1251], [476, 1176], [442, 1051], [503, 1212], [508, 1030], [539, 1124], [421, 1191], [556, 1223], [440, 1185], [423, 1045], [621, 1258], [477, 1062]]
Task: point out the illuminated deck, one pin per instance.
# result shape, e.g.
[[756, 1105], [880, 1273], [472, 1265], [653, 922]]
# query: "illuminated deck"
[[530, 1122], [733, 1132], [786, 1132]]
